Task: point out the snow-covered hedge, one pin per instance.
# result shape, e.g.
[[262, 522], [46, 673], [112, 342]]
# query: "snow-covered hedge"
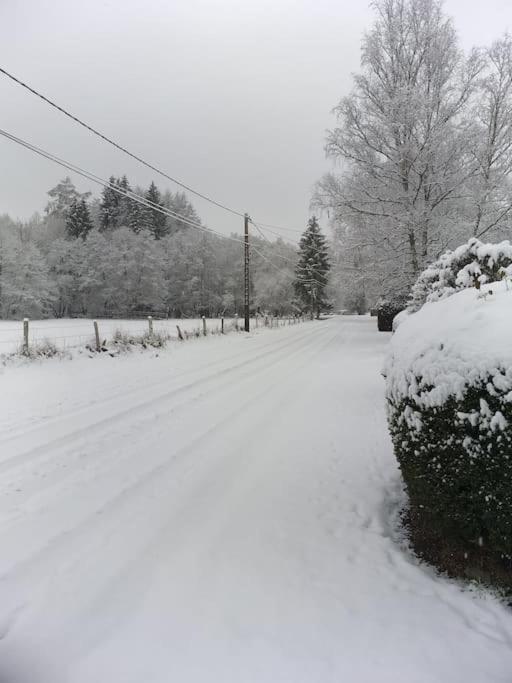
[[449, 395], [473, 263], [400, 318], [387, 310]]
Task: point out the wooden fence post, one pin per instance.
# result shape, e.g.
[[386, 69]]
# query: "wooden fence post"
[[222, 325], [97, 336], [150, 325], [25, 335], [204, 325], [180, 335]]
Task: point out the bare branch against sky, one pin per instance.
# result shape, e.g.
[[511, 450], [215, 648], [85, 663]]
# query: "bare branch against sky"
[[232, 98]]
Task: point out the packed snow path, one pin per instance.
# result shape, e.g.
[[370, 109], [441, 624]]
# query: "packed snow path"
[[221, 513]]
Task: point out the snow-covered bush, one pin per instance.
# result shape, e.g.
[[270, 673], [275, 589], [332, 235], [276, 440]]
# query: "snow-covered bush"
[[449, 396], [387, 310], [126, 341], [43, 349], [471, 264]]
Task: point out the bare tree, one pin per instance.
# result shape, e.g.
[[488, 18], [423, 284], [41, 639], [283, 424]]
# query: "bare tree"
[[491, 189], [401, 139]]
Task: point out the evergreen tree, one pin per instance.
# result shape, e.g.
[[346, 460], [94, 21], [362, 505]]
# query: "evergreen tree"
[[79, 222], [140, 216], [109, 207], [125, 204], [312, 269], [158, 224]]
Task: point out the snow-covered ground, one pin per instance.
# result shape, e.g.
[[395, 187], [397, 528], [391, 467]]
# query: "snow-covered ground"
[[69, 333], [221, 511]]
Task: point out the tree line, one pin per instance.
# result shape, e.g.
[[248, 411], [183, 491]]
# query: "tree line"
[[111, 256]]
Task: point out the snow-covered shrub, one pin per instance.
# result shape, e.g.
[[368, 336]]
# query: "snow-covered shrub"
[[387, 310], [43, 349], [472, 264], [449, 396], [125, 341]]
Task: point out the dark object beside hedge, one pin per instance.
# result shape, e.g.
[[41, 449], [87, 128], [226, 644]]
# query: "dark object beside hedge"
[[385, 314]]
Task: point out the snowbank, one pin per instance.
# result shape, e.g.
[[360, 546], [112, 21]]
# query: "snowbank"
[[400, 318]]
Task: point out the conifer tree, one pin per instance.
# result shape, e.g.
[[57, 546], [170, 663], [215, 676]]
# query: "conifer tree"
[[158, 220], [109, 207], [312, 269], [140, 216], [79, 222], [124, 207]]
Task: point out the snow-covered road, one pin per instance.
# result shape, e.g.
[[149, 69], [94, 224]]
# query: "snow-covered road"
[[221, 513]]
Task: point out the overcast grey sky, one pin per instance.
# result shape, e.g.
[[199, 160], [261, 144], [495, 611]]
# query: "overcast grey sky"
[[232, 97]]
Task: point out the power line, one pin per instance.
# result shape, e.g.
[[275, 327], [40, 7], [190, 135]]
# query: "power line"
[[279, 227], [120, 147], [258, 226], [126, 193], [271, 232], [260, 231], [285, 272], [117, 145], [135, 197], [286, 258]]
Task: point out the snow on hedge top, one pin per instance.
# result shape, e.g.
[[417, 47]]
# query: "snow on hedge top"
[[473, 262], [451, 344]]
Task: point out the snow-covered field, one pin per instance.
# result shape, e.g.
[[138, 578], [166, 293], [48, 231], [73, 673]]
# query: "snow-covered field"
[[69, 333], [221, 511]]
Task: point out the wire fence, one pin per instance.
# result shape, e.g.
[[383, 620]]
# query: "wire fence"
[[26, 336]]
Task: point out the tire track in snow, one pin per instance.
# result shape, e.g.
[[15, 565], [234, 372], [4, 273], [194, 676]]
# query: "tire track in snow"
[[45, 422], [72, 453], [73, 537], [106, 423]]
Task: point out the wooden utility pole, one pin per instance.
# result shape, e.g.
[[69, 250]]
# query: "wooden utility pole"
[[246, 272]]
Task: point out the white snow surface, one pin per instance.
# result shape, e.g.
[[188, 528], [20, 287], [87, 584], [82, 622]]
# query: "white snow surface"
[[70, 333], [400, 318], [451, 344], [222, 511]]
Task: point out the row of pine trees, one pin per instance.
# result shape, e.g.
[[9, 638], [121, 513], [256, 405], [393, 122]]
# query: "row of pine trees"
[[118, 208]]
